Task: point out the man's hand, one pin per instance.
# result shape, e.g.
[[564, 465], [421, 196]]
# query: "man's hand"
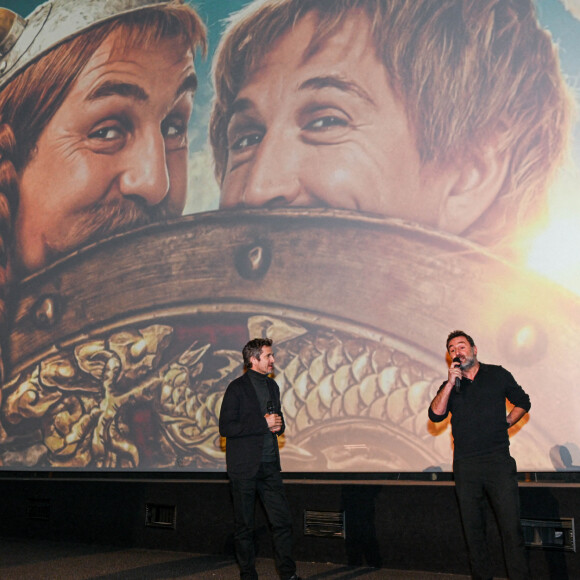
[[454, 373], [515, 415], [274, 422]]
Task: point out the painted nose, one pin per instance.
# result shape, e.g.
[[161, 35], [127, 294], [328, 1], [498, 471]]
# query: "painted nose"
[[146, 175], [273, 176]]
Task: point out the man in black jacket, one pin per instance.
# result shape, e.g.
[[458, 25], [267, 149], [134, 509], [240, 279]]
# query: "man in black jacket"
[[475, 394], [251, 419]]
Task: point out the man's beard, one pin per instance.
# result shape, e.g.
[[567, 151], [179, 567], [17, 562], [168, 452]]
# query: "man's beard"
[[469, 362], [105, 219]]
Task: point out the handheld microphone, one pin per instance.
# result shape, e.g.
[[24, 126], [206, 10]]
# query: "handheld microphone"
[[457, 379], [270, 408]]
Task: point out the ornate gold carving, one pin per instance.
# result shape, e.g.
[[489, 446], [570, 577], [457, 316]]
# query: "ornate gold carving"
[[349, 402]]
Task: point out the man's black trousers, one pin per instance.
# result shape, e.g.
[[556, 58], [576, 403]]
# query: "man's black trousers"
[[267, 484], [493, 475]]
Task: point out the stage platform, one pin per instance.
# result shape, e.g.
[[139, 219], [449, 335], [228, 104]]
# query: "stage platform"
[[43, 560]]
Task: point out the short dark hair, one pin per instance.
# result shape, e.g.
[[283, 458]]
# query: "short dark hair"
[[254, 349], [457, 333]]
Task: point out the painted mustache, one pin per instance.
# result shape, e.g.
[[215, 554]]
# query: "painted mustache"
[[104, 219]]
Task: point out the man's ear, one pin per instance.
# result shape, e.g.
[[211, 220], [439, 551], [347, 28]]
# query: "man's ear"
[[474, 181]]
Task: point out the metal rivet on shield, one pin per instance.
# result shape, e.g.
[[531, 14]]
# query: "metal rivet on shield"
[[46, 311], [253, 260], [523, 340]]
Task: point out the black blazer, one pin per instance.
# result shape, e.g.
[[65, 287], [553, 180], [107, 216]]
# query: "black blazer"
[[243, 424]]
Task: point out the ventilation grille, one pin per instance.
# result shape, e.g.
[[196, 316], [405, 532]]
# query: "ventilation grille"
[[550, 534], [160, 516], [324, 524]]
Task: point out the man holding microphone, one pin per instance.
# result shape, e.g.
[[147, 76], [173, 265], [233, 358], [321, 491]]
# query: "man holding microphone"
[[475, 395]]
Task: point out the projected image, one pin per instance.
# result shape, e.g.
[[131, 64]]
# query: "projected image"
[[353, 180]]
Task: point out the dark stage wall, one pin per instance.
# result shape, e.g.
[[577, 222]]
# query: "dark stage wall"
[[401, 525]]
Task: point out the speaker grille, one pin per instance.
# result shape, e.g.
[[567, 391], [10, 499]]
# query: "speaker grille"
[[324, 524], [160, 516], [550, 534]]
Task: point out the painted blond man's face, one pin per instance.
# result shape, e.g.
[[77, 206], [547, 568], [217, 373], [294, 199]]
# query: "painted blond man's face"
[[326, 130]]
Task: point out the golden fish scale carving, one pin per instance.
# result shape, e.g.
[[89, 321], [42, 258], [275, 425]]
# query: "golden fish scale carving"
[[332, 376], [324, 377]]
